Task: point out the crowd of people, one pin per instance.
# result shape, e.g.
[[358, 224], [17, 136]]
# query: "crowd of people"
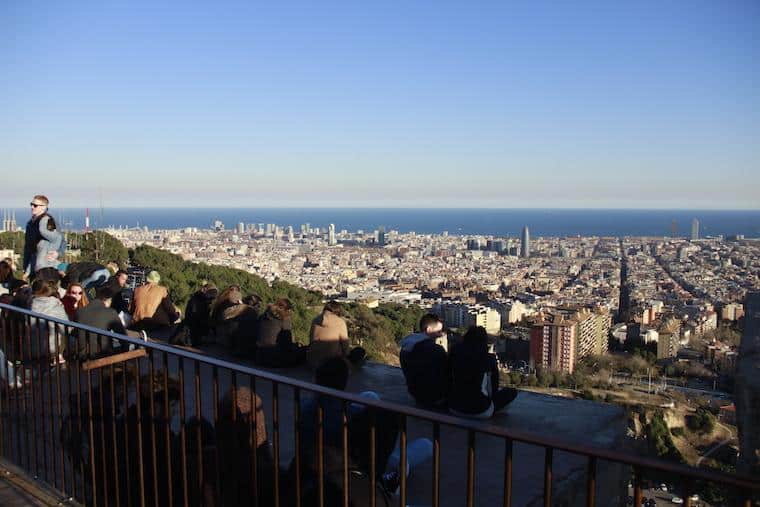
[[96, 295], [463, 381]]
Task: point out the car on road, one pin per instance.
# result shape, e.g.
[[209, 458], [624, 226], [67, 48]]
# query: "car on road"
[[676, 500]]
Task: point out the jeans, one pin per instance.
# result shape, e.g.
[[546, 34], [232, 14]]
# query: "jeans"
[[96, 279], [7, 371], [418, 451]]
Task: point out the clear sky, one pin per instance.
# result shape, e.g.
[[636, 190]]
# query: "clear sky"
[[469, 104]]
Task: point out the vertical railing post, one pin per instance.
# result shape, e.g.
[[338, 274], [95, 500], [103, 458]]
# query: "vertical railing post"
[[182, 431], [276, 440], [508, 472], [167, 431], [402, 462], [548, 458], [637, 493], [470, 468], [297, 442], [591, 482], [436, 464], [344, 440]]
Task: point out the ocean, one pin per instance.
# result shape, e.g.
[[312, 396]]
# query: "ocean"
[[497, 222]]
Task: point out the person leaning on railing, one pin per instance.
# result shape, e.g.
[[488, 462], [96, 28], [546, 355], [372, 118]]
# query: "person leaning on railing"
[[44, 334]]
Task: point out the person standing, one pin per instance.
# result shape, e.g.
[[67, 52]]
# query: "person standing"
[[42, 240]]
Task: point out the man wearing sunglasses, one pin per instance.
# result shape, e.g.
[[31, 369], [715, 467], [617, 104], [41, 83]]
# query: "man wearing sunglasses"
[[42, 240]]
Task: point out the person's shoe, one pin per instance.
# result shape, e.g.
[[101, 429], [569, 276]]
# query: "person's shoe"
[[391, 482]]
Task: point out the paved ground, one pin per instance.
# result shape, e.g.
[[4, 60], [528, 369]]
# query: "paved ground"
[[16, 490], [581, 421]]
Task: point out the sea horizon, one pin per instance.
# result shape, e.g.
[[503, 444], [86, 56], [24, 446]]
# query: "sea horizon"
[[546, 222]]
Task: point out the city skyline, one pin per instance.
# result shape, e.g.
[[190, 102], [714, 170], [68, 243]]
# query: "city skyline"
[[596, 106]]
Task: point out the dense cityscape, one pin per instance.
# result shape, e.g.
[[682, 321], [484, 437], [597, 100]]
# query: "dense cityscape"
[[575, 290]]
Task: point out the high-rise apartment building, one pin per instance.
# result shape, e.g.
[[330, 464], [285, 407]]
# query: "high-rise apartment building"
[[9, 221], [553, 342], [694, 229], [585, 330], [381, 236], [525, 242], [331, 235]]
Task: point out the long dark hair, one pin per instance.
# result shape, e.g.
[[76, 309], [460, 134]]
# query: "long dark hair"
[[6, 273], [477, 338], [51, 223]]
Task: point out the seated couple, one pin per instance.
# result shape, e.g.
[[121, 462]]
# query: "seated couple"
[[466, 380]]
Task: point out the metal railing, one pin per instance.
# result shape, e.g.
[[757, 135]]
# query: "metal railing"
[[168, 426]]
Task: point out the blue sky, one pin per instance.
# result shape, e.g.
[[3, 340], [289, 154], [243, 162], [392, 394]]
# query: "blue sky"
[[430, 104]]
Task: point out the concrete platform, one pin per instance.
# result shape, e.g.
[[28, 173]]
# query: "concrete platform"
[[586, 422], [18, 490]]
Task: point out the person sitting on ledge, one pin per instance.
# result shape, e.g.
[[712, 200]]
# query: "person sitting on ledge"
[[334, 373], [235, 322], [474, 388], [74, 299], [274, 337], [425, 363], [152, 309], [98, 313], [329, 338], [121, 298]]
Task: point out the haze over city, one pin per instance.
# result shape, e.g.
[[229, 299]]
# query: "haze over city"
[[592, 105]]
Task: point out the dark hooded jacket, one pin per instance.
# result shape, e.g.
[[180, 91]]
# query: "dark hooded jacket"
[[426, 369]]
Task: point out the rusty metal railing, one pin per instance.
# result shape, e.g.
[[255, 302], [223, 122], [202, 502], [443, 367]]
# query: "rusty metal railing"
[[168, 426]]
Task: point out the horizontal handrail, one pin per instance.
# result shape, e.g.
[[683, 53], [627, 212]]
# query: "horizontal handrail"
[[483, 427]]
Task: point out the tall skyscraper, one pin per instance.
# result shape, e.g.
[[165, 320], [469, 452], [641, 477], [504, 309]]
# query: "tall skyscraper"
[[331, 235], [381, 236], [9, 221], [694, 229], [525, 242]]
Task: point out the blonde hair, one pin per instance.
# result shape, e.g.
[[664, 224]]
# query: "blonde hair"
[[41, 198]]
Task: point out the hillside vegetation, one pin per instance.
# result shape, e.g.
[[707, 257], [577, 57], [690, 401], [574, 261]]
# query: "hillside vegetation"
[[377, 330]]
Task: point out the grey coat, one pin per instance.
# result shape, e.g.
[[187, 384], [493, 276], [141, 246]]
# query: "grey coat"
[[45, 332], [51, 242]]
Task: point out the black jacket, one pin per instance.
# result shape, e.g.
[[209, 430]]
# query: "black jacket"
[[96, 314], [198, 313], [78, 271], [426, 369], [474, 378], [274, 332]]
